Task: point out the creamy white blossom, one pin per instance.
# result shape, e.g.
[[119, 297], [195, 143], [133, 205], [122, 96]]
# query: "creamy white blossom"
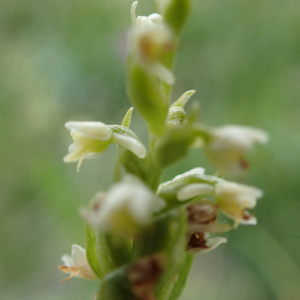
[[152, 40], [91, 139], [77, 265], [125, 207], [229, 143], [234, 199]]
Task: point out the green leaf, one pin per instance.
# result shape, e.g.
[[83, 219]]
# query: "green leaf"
[[105, 251], [175, 12], [91, 249], [127, 119], [183, 99], [174, 144], [132, 164]]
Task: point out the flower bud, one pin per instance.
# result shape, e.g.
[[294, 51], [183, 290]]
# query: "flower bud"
[[152, 41], [177, 114]]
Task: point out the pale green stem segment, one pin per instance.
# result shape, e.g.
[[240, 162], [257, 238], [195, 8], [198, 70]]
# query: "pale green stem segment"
[[174, 288], [154, 172]]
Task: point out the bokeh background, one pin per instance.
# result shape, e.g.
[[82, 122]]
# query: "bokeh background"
[[63, 60]]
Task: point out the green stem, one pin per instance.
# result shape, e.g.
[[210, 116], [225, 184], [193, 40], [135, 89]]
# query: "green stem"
[[154, 172]]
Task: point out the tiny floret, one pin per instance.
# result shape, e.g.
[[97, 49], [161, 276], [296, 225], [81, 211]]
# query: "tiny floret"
[[125, 207], [234, 199], [77, 265], [152, 40], [92, 139], [228, 145]]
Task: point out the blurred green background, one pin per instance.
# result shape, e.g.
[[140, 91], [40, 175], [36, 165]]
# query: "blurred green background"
[[63, 60]]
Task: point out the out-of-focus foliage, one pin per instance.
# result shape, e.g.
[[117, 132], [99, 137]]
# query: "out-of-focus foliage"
[[63, 60]]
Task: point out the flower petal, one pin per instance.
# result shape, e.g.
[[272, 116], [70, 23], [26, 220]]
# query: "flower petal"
[[79, 255], [162, 73], [193, 190], [131, 144], [93, 130], [196, 171], [211, 244], [68, 261]]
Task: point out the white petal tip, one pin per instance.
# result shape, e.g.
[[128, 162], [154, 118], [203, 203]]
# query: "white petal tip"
[[193, 190]]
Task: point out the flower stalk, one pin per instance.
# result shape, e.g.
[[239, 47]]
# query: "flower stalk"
[[142, 235]]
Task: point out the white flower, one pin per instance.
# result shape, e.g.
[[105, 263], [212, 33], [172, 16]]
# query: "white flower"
[[125, 207], [199, 243], [228, 145], [234, 199], [77, 265], [152, 40], [91, 139]]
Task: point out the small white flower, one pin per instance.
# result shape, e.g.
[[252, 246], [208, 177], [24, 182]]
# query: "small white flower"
[[125, 207], [200, 243], [228, 145], [91, 139], [152, 40], [77, 265], [234, 199]]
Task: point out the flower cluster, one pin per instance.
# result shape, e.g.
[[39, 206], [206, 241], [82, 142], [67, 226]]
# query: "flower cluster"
[[141, 234]]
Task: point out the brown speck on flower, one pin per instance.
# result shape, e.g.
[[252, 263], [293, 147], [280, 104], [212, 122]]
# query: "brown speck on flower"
[[244, 164], [197, 240], [143, 274]]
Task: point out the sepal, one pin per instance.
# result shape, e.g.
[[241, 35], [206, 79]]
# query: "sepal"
[[175, 13]]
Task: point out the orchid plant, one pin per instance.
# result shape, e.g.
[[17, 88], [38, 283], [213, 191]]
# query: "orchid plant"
[[142, 235]]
